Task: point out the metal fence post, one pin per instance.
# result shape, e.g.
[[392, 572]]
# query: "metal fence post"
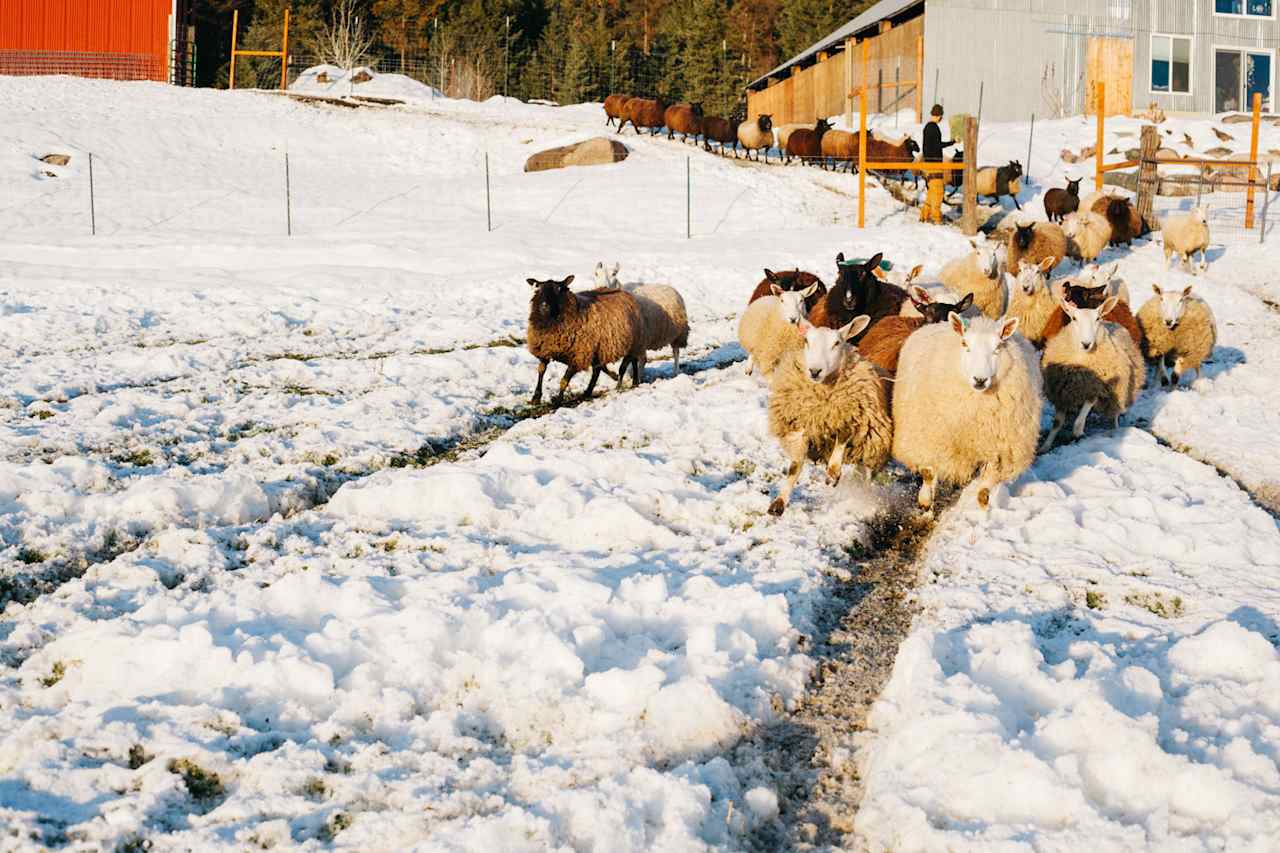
[[488, 201], [288, 198], [1030, 136], [688, 198], [93, 216], [1266, 202]]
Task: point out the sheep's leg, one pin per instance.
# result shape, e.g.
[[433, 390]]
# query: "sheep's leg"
[[637, 371], [780, 502], [564, 385], [537, 389], [1204, 265], [622, 372], [751, 364], [925, 498], [1059, 419], [1015, 202], [1077, 429], [987, 485], [591, 383], [675, 357], [1178, 369], [1164, 380], [609, 372], [835, 463]]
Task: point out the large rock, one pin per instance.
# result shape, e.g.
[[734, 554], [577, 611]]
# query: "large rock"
[[592, 152], [56, 159]]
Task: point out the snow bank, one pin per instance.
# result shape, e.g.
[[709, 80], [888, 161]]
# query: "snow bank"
[[338, 85]]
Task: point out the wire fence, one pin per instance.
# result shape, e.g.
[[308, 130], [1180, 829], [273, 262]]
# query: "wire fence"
[[110, 66], [1226, 193]]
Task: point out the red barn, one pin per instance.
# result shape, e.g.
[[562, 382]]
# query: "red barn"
[[119, 39]]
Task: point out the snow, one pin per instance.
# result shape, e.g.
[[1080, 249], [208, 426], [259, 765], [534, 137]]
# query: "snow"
[[276, 506]]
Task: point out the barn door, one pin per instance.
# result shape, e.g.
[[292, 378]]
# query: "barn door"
[[1110, 61]]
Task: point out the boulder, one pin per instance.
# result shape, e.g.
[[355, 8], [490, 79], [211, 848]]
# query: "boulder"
[[592, 152], [1219, 151], [362, 76], [322, 77], [1222, 136], [56, 159], [1245, 118], [1168, 154]]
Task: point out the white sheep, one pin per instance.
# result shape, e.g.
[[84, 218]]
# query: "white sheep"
[[607, 276], [1091, 366], [666, 322], [1031, 300], [1088, 234], [968, 397], [783, 132], [768, 327], [826, 402], [1184, 234], [757, 135], [1178, 332], [977, 272]]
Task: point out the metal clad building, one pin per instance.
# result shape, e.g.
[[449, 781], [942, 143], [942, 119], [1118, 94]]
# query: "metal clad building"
[[121, 39]]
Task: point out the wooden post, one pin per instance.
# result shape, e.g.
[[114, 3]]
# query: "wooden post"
[[862, 142], [920, 80], [969, 217], [235, 25], [1148, 176], [1100, 104], [1253, 157], [284, 54]]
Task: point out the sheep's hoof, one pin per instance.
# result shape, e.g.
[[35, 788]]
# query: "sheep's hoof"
[[777, 507], [1164, 381], [925, 499], [536, 400], [833, 476], [984, 497]]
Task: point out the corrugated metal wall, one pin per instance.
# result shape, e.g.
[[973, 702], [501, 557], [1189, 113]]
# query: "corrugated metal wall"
[[93, 28]]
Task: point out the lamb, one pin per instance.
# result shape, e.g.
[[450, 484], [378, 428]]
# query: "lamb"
[[581, 330], [806, 142], [1092, 366], [1031, 301], [1185, 234], [826, 403], [858, 290], [1034, 242], [644, 112], [615, 109], [790, 280], [968, 397], [1180, 332], [1004, 180], [768, 327], [978, 273], [1060, 202], [1087, 234], [721, 130], [757, 135], [882, 343], [685, 119]]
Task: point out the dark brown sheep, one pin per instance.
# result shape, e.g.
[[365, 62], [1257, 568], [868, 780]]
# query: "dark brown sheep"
[[721, 130], [880, 151], [858, 290], [1059, 202], [685, 119], [883, 341], [615, 109], [1121, 216], [644, 113], [790, 280], [1093, 297], [806, 144]]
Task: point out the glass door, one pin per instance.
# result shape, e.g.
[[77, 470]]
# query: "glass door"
[[1257, 78], [1238, 74]]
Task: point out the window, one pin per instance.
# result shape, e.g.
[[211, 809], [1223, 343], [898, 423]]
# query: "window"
[[1171, 65], [1238, 75], [1243, 8]]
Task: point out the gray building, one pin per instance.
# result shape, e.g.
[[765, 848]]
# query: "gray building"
[[1044, 56]]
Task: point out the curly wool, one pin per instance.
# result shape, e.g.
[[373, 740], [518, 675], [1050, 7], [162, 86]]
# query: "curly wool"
[[963, 275], [765, 335], [597, 327], [852, 410], [665, 321], [1184, 235], [1092, 234], [1047, 241], [1120, 315], [882, 343], [940, 422], [1034, 313], [1111, 374], [1192, 342]]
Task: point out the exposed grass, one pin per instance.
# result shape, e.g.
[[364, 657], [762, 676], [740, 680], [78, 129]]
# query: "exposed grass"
[[1155, 604], [139, 458], [201, 784], [336, 823], [31, 556], [1095, 600], [55, 674], [315, 789], [504, 341], [42, 414]]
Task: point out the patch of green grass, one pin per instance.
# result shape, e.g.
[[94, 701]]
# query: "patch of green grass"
[[139, 458], [42, 414], [1155, 604], [315, 789], [744, 468], [55, 674], [30, 556], [201, 784], [1095, 600], [390, 545], [137, 844]]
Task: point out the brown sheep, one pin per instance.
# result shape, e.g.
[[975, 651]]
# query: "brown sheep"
[[685, 119], [1059, 202], [722, 130], [1034, 242], [1083, 296], [790, 280], [581, 330], [1121, 216], [858, 290], [644, 112], [615, 109], [805, 143], [883, 341], [882, 151]]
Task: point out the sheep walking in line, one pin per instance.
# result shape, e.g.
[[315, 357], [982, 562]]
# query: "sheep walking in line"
[[1179, 331], [666, 322], [583, 330], [1087, 234], [826, 404], [615, 109], [769, 328], [977, 272], [1092, 366], [968, 398], [996, 181], [1185, 234], [757, 136]]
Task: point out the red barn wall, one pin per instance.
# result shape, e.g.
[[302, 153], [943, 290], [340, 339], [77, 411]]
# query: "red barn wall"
[[122, 39]]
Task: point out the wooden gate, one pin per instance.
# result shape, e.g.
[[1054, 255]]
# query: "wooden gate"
[[1110, 61]]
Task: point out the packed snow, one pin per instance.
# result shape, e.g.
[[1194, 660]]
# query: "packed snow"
[[289, 562]]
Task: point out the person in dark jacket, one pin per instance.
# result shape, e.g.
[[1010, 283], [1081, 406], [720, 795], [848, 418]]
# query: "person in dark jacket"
[[931, 148]]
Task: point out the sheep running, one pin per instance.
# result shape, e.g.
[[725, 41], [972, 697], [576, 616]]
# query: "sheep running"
[[769, 327], [666, 322], [882, 343]]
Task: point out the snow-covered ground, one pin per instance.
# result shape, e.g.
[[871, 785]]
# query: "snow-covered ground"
[[289, 561]]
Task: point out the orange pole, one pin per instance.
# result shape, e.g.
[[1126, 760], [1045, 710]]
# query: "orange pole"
[[235, 25], [284, 54], [1253, 157], [1101, 106], [919, 79], [862, 142]]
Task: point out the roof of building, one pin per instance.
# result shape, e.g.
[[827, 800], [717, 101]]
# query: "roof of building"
[[881, 11]]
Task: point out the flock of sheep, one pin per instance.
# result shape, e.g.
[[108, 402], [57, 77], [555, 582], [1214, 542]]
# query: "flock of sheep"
[[949, 378]]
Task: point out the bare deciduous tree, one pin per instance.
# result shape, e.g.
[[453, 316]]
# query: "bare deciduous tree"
[[346, 40]]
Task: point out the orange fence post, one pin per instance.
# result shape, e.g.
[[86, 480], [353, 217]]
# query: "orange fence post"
[[919, 79], [284, 54], [1253, 159], [862, 142], [1101, 106], [235, 25]]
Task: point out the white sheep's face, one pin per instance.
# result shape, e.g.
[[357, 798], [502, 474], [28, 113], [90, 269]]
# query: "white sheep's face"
[[794, 309], [607, 276], [1086, 322], [825, 350], [1201, 214], [989, 258], [1173, 303], [1071, 225], [981, 343]]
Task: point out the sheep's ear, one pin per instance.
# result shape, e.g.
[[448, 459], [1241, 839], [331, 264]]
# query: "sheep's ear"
[[1154, 287], [974, 244], [810, 290], [1107, 306], [964, 304], [775, 290], [1186, 291], [874, 263], [855, 327], [599, 266], [840, 258], [957, 323], [919, 295], [568, 280], [617, 266], [1048, 263], [915, 271], [533, 282], [771, 276], [1008, 326]]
